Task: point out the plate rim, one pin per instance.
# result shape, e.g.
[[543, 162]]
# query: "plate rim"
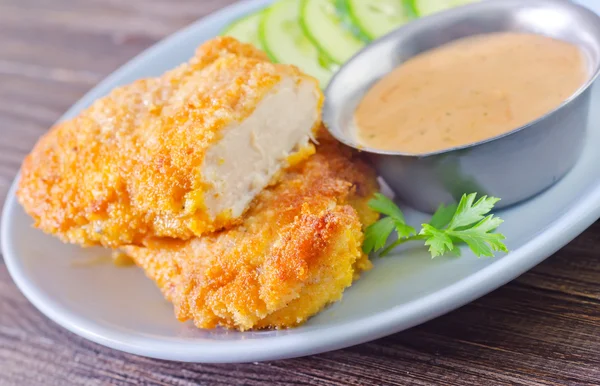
[[574, 220]]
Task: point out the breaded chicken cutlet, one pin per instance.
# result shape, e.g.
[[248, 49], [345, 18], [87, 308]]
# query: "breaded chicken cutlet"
[[297, 249], [174, 156]]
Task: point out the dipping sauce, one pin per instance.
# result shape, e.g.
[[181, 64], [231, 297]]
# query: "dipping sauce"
[[469, 90]]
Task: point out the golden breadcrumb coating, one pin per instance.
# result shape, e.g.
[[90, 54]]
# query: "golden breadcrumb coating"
[[297, 249], [127, 169]]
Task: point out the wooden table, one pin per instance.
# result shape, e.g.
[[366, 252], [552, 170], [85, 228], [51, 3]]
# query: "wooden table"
[[541, 329]]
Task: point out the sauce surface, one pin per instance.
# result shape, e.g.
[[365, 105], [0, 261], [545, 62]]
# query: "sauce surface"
[[467, 91]]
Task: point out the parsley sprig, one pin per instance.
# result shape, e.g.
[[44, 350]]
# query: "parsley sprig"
[[468, 223]]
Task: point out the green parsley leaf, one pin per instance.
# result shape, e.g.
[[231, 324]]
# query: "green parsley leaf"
[[468, 213], [403, 229], [437, 240], [479, 238], [471, 225], [377, 234], [442, 216], [384, 205], [469, 222]]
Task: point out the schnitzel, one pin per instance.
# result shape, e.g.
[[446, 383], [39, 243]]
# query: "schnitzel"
[[175, 156], [207, 177], [296, 250]]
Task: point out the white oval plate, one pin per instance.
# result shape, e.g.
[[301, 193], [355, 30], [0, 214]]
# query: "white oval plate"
[[120, 308]]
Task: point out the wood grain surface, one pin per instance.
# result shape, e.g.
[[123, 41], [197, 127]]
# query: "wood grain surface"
[[541, 329]]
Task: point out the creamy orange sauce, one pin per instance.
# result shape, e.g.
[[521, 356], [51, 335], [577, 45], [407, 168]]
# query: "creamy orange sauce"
[[469, 90]]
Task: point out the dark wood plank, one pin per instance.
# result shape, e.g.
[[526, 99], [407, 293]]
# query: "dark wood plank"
[[541, 329]]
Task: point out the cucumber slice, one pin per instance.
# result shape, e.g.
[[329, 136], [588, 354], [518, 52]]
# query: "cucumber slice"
[[427, 7], [376, 18], [245, 29], [343, 11], [285, 42], [324, 27]]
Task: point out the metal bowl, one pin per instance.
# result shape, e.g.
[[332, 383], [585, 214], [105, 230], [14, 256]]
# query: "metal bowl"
[[513, 166]]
